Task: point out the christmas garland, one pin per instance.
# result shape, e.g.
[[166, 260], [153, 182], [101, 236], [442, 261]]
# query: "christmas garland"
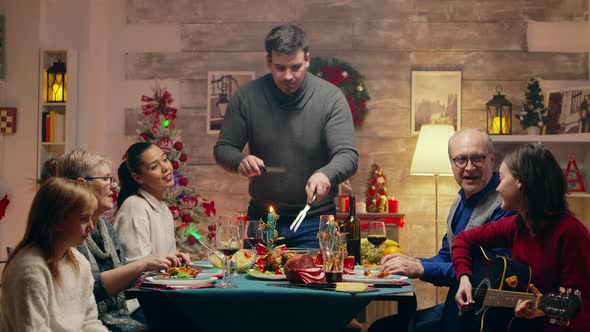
[[348, 79]]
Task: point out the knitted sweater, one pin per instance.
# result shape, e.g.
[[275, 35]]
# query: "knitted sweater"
[[558, 257], [310, 131], [33, 301], [145, 227]]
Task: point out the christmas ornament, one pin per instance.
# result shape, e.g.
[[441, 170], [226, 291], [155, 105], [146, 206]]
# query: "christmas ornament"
[[348, 79]]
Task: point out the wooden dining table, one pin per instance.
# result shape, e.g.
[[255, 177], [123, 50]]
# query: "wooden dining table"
[[256, 305]]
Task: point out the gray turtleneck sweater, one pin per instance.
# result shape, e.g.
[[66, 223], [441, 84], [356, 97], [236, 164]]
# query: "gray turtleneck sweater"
[[307, 132]]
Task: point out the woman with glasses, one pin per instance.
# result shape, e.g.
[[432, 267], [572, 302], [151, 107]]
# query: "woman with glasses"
[[543, 234], [144, 223], [111, 273]]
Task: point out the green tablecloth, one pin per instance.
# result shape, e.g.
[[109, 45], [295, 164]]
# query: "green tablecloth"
[[254, 306]]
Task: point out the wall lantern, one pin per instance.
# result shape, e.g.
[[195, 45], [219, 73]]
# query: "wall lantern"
[[56, 82], [499, 115], [224, 83]]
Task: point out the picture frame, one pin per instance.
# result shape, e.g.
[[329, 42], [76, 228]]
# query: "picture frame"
[[436, 98], [568, 110], [221, 85]]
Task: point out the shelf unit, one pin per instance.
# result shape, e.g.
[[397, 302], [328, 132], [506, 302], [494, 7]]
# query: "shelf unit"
[[562, 146], [47, 150]]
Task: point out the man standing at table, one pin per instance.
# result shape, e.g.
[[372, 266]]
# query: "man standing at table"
[[472, 157], [296, 122]]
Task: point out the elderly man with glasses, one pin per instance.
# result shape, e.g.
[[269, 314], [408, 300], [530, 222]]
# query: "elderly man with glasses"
[[472, 158]]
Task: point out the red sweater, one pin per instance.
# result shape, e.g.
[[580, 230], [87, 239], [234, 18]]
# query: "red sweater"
[[560, 257]]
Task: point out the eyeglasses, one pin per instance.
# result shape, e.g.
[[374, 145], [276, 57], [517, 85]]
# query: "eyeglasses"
[[109, 179], [476, 160]]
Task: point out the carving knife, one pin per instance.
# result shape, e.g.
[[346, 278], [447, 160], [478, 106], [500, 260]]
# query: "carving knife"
[[272, 169]]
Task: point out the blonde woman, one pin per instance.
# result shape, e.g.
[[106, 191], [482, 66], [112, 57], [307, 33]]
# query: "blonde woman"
[[111, 273], [47, 283]]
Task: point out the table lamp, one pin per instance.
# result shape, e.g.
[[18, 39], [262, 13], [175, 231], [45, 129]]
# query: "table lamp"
[[431, 158]]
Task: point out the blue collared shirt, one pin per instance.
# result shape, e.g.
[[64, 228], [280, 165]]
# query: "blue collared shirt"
[[438, 269]]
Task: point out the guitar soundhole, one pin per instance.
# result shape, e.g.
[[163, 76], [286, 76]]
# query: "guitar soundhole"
[[479, 294]]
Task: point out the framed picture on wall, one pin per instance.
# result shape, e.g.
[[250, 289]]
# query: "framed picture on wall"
[[568, 110], [436, 99], [221, 86]]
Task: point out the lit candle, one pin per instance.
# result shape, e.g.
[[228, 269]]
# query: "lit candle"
[[499, 125], [271, 224], [392, 205]]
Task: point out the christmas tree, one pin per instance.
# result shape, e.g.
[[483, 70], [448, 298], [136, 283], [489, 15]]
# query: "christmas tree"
[[190, 210], [376, 190], [533, 112]]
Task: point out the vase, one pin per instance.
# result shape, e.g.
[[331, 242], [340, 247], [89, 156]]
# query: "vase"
[[533, 130]]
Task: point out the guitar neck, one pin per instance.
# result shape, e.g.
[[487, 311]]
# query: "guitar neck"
[[508, 299]]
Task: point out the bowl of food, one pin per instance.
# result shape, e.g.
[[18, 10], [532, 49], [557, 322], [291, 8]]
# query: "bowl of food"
[[243, 259]]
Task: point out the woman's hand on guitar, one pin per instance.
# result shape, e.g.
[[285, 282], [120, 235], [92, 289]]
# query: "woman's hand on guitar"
[[464, 298], [524, 309]]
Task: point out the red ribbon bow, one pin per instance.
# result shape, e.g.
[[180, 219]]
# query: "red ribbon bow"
[[209, 208]]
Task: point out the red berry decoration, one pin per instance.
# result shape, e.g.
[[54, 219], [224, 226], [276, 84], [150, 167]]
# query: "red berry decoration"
[[183, 181], [178, 146], [175, 164], [187, 218], [191, 239], [183, 157]]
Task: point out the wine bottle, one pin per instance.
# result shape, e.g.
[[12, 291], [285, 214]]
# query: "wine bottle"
[[352, 226]]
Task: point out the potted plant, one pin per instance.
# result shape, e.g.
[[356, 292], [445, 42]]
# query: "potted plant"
[[533, 115]]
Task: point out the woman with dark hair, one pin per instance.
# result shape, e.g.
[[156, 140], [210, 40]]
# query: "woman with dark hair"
[[47, 283], [144, 223], [544, 234]]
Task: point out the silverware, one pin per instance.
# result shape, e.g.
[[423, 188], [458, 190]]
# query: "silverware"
[[272, 169], [299, 219], [198, 237]]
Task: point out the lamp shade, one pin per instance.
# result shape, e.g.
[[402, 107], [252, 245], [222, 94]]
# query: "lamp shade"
[[431, 156]]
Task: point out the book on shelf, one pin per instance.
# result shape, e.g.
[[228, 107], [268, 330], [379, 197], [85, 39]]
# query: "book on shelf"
[[53, 127]]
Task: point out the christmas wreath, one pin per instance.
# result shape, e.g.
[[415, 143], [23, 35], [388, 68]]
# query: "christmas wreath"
[[348, 79]]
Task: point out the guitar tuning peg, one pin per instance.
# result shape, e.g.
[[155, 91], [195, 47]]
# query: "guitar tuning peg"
[[561, 290], [577, 292], [552, 321], [569, 290]]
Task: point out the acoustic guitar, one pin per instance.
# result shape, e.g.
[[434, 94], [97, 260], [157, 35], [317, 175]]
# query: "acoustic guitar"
[[496, 297]]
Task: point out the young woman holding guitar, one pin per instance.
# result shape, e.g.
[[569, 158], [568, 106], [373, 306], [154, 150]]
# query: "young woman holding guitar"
[[543, 234]]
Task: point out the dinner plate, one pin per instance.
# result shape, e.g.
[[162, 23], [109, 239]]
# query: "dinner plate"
[[198, 280], [259, 275], [202, 264], [360, 277], [214, 272]]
